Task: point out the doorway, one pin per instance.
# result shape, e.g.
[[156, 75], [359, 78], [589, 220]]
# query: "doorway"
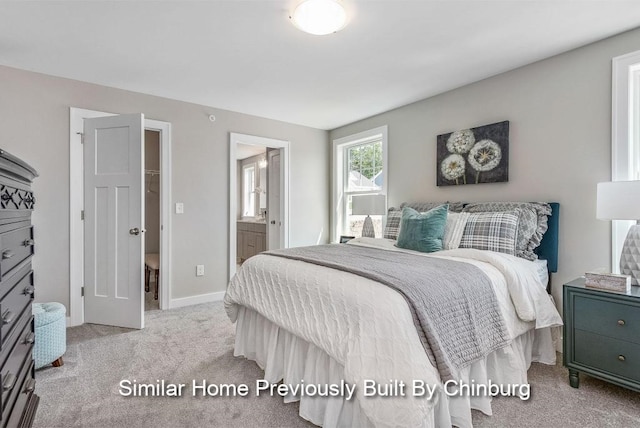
[[258, 197], [76, 192], [152, 173]]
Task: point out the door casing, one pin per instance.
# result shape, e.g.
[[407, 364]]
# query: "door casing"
[[76, 204]]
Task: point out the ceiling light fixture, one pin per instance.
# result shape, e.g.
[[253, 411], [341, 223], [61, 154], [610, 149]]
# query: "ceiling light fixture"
[[319, 17]]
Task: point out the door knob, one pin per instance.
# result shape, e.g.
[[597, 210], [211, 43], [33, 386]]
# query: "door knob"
[[134, 231]]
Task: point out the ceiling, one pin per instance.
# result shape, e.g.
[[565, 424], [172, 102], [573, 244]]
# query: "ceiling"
[[246, 56], [244, 151]]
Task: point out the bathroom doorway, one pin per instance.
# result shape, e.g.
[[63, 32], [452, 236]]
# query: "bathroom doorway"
[[258, 202]]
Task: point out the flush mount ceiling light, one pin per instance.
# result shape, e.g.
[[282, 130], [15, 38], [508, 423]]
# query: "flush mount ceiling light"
[[319, 17]]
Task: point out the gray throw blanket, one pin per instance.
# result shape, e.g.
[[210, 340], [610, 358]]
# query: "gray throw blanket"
[[454, 307]]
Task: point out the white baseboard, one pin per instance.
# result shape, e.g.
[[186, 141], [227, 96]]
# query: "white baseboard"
[[196, 300], [177, 303]]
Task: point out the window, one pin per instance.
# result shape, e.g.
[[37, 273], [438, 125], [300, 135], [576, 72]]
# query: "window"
[[248, 190], [359, 165], [625, 136]]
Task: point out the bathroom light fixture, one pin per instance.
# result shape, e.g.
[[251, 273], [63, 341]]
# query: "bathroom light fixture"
[[262, 163], [319, 17]]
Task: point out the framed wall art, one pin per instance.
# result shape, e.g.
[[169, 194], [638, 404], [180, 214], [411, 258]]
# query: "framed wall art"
[[474, 156]]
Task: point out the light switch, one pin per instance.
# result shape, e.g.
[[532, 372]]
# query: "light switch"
[[179, 208]]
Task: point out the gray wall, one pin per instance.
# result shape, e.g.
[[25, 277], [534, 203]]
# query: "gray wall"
[[35, 126], [560, 143]]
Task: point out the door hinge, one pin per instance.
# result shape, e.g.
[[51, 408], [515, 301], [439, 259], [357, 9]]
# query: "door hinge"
[[82, 291], [82, 215], [81, 137]]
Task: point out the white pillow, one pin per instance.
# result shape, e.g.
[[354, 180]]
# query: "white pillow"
[[453, 230]]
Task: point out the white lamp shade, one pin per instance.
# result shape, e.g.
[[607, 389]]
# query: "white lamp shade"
[[618, 200], [369, 205]]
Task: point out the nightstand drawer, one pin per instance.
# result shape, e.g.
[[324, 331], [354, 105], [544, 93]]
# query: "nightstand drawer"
[[614, 356], [607, 318]]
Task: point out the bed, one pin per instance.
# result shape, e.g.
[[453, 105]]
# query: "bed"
[[307, 324]]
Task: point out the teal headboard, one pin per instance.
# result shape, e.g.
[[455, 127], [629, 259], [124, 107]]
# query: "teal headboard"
[[548, 248]]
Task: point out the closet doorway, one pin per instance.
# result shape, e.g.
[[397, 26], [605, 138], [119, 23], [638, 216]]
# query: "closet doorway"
[[152, 218], [77, 299], [258, 197]]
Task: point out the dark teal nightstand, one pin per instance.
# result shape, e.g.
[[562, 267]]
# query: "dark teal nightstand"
[[602, 334]]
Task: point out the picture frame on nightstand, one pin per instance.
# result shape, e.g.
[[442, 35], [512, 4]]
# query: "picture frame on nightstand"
[[608, 281]]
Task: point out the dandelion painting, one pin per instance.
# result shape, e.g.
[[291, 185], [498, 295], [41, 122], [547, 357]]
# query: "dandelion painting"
[[472, 156]]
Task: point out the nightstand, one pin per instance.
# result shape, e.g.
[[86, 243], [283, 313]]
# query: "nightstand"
[[602, 334]]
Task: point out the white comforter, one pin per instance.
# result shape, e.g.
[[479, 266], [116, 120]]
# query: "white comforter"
[[367, 326]]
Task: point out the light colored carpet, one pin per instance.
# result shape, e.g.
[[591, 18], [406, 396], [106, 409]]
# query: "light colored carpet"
[[196, 342], [150, 304]]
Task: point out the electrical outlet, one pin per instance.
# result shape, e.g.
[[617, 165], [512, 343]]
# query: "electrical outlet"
[[179, 208], [199, 270]]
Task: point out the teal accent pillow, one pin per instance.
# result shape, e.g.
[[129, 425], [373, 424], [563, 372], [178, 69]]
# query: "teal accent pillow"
[[423, 231]]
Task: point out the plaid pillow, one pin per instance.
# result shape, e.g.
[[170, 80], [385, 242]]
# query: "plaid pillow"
[[496, 231], [532, 223], [392, 228]]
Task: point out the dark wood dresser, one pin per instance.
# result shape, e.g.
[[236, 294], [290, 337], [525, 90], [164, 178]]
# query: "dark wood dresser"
[[17, 375]]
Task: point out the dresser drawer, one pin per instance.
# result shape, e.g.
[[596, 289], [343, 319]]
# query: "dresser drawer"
[[620, 321], [16, 302], [11, 418], [15, 246], [9, 281], [12, 374], [614, 356], [23, 332]]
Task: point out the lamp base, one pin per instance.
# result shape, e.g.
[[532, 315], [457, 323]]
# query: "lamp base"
[[367, 228], [630, 257]]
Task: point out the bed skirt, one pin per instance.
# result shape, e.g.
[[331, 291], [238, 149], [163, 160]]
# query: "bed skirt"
[[285, 357]]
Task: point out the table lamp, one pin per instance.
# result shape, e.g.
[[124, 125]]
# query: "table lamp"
[[620, 200], [368, 205]]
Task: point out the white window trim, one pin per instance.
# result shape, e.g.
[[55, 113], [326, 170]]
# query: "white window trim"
[[338, 194], [625, 161], [253, 165]]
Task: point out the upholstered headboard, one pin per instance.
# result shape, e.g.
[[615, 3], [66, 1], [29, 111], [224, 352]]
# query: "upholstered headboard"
[[548, 249]]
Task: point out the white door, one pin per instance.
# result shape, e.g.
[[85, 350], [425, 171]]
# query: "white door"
[[113, 220], [274, 201]]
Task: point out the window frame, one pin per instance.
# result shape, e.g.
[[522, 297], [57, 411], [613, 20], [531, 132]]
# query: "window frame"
[[625, 137], [340, 171], [252, 193]]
